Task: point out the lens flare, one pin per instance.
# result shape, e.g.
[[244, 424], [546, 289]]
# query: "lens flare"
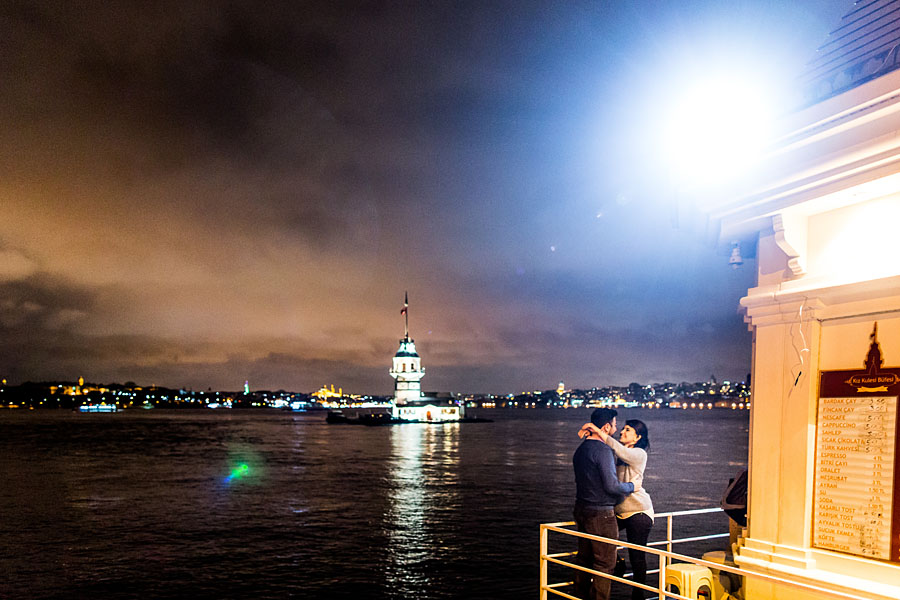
[[238, 472]]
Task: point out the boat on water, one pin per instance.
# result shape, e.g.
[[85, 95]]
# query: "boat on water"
[[337, 417], [98, 408]]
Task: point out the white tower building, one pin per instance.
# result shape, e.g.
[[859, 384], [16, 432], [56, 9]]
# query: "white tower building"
[[407, 369]]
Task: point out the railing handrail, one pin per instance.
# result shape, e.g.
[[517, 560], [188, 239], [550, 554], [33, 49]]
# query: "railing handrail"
[[665, 557], [669, 541], [677, 513]]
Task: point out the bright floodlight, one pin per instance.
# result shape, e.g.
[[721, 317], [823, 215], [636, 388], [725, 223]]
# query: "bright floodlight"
[[717, 129]]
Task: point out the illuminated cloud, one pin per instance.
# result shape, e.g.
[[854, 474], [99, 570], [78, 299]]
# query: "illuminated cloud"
[[14, 265], [201, 193]]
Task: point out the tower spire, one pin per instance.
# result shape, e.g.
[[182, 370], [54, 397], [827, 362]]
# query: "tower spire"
[[407, 367], [405, 312]]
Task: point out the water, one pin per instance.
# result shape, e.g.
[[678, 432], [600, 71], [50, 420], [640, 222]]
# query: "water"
[[138, 504]]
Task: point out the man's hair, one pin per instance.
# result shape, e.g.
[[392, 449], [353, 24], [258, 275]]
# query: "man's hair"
[[602, 416]]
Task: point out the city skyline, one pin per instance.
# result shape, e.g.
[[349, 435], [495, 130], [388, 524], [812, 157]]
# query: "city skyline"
[[83, 394], [200, 194], [67, 387]]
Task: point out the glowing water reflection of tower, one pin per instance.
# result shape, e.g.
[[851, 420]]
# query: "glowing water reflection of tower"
[[424, 493], [407, 369]]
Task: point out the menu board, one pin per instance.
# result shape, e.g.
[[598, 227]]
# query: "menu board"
[[855, 456], [857, 496]]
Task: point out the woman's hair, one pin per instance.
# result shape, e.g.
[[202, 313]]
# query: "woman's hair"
[[641, 430]]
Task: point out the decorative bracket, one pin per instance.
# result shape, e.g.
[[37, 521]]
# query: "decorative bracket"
[[790, 237]]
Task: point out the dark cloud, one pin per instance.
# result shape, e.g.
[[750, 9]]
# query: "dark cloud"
[[40, 303], [200, 192]]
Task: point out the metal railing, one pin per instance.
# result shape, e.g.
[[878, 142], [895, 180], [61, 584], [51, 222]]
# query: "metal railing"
[[665, 559]]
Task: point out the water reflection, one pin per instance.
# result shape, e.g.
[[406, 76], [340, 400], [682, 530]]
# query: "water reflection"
[[423, 478]]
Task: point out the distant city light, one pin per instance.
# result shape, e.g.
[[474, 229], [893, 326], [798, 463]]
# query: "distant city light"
[[91, 397]]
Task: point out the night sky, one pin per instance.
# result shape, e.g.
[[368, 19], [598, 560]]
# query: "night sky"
[[199, 193]]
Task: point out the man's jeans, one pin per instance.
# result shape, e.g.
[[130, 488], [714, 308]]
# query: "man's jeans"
[[595, 555]]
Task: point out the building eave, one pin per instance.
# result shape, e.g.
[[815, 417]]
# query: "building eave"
[[842, 144]]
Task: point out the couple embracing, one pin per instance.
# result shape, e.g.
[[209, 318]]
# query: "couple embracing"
[[609, 496]]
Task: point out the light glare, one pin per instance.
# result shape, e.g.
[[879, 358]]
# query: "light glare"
[[717, 129]]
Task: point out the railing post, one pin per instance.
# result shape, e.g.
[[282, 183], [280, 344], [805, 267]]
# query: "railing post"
[[668, 536], [544, 549], [664, 560], [662, 576]]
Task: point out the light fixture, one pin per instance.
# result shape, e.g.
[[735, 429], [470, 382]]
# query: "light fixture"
[[735, 260]]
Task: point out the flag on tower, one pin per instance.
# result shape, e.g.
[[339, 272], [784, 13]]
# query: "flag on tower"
[[405, 303]]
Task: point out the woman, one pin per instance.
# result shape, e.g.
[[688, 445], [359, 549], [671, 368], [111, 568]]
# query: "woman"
[[635, 512]]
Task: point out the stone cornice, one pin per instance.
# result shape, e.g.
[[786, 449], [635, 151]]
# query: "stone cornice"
[[812, 298]]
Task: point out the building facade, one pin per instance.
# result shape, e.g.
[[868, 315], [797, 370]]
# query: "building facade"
[[823, 214]]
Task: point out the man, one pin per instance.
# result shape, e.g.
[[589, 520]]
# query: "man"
[[597, 491]]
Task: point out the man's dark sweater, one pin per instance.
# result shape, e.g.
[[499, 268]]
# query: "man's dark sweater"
[[596, 485]]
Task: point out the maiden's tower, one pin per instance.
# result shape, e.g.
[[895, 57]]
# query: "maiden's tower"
[[407, 370]]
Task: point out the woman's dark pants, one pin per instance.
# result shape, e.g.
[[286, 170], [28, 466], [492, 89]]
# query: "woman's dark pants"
[[637, 530]]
